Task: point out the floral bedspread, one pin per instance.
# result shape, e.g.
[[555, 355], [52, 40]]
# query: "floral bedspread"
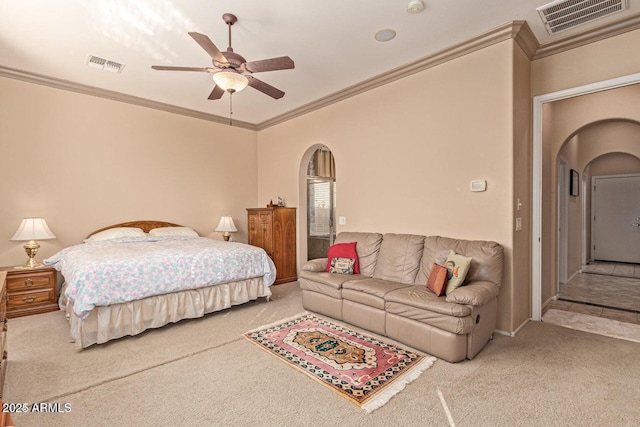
[[121, 270]]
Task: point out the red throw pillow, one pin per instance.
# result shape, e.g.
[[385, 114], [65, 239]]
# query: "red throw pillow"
[[343, 250], [437, 282]]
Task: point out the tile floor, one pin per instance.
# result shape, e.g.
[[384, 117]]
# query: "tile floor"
[[613, 269], [601, 291]]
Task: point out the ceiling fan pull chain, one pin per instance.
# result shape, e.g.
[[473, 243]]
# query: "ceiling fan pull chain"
[[230, 108]]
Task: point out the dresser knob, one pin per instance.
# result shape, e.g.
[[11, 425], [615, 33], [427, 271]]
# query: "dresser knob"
[[28, 283], [28, 299]]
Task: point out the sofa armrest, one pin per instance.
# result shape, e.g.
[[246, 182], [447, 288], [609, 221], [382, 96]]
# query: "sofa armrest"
[[318, 264], [475, 293]]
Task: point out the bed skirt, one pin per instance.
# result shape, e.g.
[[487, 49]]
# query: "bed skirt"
[[107, 323]]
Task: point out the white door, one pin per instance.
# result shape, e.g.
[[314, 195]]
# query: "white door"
[[616, 218]]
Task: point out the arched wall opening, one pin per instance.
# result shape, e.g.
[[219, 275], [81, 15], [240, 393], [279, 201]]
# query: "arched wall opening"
[[610, 146], [307, 250]]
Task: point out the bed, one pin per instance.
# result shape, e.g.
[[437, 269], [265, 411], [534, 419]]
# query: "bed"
[[134, 276]]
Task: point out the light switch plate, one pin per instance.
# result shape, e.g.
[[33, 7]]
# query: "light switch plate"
[[342, 220], [480, 185], [518, 224]]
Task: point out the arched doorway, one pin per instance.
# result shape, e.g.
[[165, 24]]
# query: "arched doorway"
[[321, 182]]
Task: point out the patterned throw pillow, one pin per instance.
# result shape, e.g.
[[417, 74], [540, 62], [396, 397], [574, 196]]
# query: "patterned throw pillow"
[[437, 281], [458, 267], [343, 250], [342, 265]]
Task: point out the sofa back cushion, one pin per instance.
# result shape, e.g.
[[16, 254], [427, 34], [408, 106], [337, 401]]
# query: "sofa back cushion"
[[367, 247], [399, 258], [487, 262]]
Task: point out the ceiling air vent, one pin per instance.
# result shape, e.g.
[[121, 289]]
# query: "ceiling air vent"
[[104, 64], [562, 15]]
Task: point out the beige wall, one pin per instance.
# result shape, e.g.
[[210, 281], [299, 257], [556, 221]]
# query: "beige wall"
[[521, 205], [84, 162], [406, 152], [615, 164], [607, 59]]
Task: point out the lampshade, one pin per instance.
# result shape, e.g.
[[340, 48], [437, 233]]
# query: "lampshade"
[[226, 224], [230, 81], [30, 230], [33, 229]]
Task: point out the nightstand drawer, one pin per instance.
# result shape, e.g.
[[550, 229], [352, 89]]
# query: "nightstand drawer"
[[27, 282], [30, 291], [24, 300]]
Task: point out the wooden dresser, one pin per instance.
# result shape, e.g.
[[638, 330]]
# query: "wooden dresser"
[[3, 325], [274, 230], [30, 291]]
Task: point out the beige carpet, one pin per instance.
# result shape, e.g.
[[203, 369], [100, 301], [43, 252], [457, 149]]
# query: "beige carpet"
[[593, 324], [204, 373]]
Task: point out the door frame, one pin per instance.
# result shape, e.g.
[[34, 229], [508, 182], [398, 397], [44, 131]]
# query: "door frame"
[[536, 190]]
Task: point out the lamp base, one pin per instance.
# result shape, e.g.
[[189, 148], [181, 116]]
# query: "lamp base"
[[226, 235], [31, 248]]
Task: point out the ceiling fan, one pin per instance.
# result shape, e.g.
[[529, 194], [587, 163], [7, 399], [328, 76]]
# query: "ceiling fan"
[[231, 72]]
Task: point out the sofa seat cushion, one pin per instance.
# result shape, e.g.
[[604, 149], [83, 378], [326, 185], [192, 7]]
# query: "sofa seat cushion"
[[369, 292], [326, 283], [424, 306], [422, 298]]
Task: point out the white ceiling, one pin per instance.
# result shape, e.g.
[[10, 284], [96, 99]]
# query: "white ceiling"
[[331, 42]]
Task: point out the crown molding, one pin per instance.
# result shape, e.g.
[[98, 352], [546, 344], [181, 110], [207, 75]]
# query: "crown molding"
[[525, 38], [600, 33], [497, 35], [116, 96]]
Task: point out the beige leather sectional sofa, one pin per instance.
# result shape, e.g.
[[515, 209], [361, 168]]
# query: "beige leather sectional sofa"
[[390, 296]]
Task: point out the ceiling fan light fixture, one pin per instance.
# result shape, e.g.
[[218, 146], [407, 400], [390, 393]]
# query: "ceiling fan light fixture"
[[230, 81]]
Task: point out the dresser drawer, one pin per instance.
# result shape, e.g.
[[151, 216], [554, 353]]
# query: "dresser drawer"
[[23, 300], [29, 282]]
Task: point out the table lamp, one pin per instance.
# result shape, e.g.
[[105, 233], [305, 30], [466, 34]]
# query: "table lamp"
[[30, 230], [227, 226]]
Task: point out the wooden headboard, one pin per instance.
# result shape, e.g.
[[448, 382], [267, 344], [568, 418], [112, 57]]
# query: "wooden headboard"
[[145, 225]]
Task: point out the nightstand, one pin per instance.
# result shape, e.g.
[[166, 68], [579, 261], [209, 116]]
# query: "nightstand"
[[30, 291]]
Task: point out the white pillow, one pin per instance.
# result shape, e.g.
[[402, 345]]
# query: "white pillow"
[[116, 233], [173, 231]]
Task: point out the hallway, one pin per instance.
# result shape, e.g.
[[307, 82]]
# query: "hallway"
[[604, 289]]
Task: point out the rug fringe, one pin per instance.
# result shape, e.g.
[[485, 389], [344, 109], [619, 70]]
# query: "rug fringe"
[[398, 386], [277, 322]]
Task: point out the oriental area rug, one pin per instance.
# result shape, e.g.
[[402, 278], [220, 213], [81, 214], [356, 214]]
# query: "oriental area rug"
[[359, 367]]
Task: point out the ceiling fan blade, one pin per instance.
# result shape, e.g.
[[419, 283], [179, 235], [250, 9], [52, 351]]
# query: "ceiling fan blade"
[[216, 93], [272, 64], [206, 43], [265, 88], [167, 68]]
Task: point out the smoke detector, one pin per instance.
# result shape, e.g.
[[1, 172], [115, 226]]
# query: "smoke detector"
[[415, 6]]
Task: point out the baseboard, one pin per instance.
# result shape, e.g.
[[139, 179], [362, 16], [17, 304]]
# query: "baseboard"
[[512, 334], [574, 275], [547, 302]]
